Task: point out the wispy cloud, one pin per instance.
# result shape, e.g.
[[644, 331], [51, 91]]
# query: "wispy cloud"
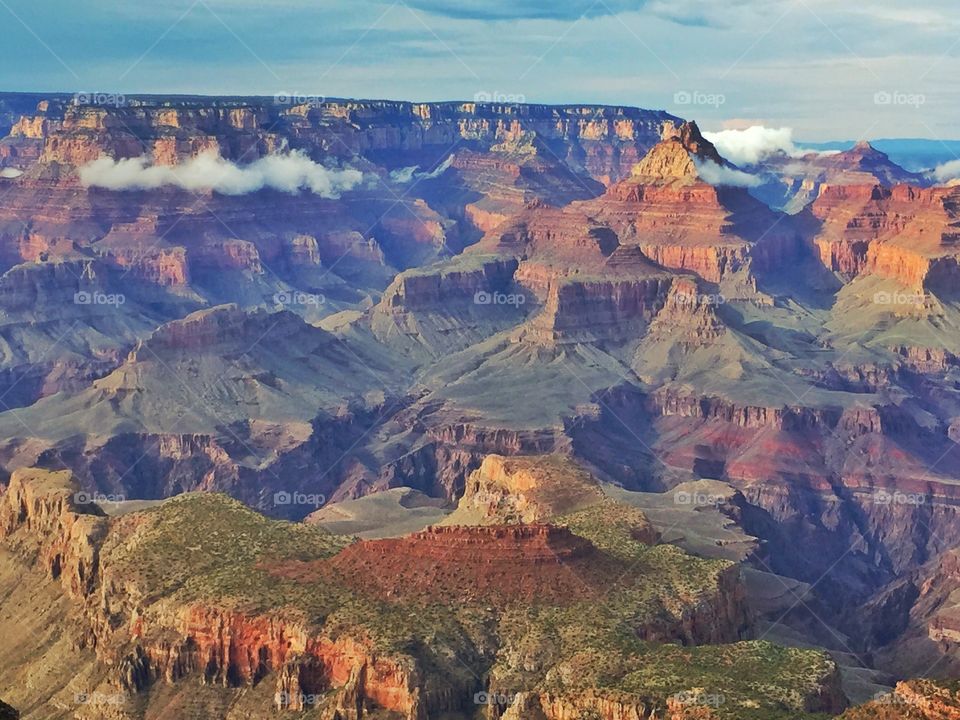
[[715, 174], [290, 173], [946, 172], [753, 144]]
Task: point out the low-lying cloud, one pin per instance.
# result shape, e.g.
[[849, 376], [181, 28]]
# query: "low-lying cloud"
[[754, 144], [407, 174], [946, 172], [287, 172], [715, 174]]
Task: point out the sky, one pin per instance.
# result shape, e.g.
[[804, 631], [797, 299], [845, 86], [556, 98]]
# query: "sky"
[[829, 69]]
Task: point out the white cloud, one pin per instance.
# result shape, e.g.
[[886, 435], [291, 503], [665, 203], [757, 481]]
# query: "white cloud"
[[946, 172], [405, 175], [288, 173], [10, 173], [715, 174], [754, 144]]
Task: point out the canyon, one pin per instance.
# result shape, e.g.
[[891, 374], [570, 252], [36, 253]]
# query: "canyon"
[[532, 327]]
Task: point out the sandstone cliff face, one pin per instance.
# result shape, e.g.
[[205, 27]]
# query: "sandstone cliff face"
[[551, 236], [420, 290], [145, 641], [668, 402], [805, 179], [166, 267], [530, 489], [76, 133], [688, 318], [230, 649], [911, 700], [902, 233], [550, 706], [596, 310], [681, 222], [49, 509]]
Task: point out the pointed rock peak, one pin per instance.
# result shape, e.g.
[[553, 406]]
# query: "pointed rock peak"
[[865, 149], [667, 160], [689, 136], [674, 156]]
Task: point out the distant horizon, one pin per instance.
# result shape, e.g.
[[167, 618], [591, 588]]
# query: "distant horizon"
[[712, 127], [824, 69]]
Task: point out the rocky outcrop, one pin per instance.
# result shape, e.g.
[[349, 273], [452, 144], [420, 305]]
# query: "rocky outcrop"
[[424, 290], [901, 232], [684, 223], [166, 267], [62, 523], [230, 649], [227, 255], [550, 236], [669, 402], [168, 644], [823, 695], [530, 489], [596, 310], [911, 700], [808, 178], [76, 132]]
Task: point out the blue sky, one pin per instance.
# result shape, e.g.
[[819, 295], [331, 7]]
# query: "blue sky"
[[827, 68]]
